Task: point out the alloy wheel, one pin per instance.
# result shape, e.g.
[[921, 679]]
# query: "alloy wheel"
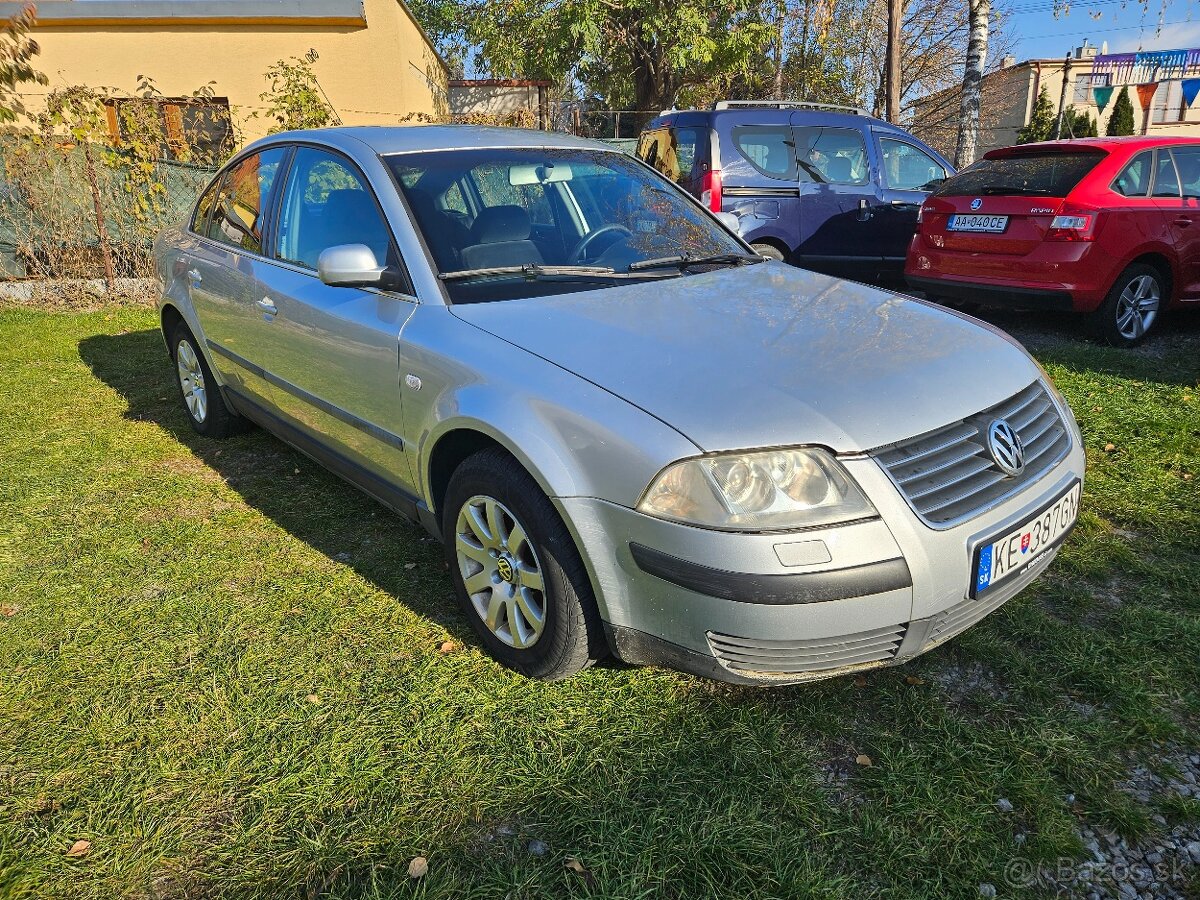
[[1137, 307], [191, 380], [501, 571]]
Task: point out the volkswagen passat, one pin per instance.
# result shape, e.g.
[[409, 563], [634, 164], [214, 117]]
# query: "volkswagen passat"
[[635, 437]]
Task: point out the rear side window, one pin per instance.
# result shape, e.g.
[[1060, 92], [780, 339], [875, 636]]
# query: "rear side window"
[[906, 168], [237, 215], [673, 151], [1134, 180], [1166, 182], [833, 155], [770, 149], [1025, 174]]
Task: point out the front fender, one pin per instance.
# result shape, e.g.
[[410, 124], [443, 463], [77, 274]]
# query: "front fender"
[[575, 438]]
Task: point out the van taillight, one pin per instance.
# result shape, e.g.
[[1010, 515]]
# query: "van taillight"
[[1072, 224], [710, 190]]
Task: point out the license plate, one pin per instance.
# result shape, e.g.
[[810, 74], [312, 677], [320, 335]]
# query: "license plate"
[[991, 224], [1003, 557]]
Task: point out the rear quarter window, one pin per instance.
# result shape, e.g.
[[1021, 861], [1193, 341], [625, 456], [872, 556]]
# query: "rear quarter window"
[[1134, 180], [1026, 174]]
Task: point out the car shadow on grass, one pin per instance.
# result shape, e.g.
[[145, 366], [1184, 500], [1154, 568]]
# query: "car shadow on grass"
[[299, 495]]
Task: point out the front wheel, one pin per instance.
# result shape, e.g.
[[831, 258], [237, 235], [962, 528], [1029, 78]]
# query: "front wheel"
[[519, 578], [1132, 308], [770, 251]]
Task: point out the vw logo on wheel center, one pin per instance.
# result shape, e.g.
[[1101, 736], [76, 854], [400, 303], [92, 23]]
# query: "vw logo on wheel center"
[[1004, 444], [976, 203]]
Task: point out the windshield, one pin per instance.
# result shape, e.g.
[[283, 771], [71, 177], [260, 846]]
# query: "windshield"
[[504, 224], [1052, 174]]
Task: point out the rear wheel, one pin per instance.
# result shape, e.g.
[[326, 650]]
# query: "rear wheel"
[[1132, 308], [202, 400], [770, 251], [519, 578]]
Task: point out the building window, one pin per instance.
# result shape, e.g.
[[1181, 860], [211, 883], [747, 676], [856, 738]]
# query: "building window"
[[1084, 85], [188, 129], [1168, 105]]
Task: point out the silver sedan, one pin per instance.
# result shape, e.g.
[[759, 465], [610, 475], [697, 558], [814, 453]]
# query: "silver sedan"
[[634, 437]]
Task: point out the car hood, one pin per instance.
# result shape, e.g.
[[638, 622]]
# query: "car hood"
[[770, 355]]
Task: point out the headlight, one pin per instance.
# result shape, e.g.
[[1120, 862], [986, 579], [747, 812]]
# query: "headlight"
[[767, 490]]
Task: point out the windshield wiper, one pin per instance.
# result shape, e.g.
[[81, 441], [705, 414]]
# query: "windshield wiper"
[[531, 271], [686, 260]]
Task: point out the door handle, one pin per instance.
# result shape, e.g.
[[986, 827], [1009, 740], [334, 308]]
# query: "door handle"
[[864, 209], [905, 206], [1183, 221], [267, 306]]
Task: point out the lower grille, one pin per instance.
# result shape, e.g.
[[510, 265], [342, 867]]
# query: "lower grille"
[[949, 476], [812, 657]]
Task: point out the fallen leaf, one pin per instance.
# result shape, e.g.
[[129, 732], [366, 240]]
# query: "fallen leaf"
[[1109, 448], [418, 868], [914, 679], [860, 681], [80, 849], [295, 471], [447, 647], [575, 865], [313, 699], [8, 610], [863, 760], [410, 565]]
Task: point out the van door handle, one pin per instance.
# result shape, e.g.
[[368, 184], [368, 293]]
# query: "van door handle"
[[267, 306], [1183, 221], [864, 209]]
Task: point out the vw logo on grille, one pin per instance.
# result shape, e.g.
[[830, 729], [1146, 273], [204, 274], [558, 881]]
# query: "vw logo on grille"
[[1005, 446], [976, 203]]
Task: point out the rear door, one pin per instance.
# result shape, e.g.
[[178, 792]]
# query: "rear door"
[[907, 174], [838, 197], [1177, 194], [221, 274]]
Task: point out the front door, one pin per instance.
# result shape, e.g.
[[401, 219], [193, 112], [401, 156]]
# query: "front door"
[[333, 352], [907, 175], [838, 200]]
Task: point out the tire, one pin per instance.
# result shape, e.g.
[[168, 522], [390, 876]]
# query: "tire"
[[202, 401], [489, 495], [770, 251], [1133, 307]]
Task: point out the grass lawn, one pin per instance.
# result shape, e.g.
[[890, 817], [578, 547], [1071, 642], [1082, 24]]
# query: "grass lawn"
[[222, 667]]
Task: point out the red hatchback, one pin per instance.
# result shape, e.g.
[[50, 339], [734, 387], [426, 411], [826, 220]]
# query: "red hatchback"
[[1104, 226]]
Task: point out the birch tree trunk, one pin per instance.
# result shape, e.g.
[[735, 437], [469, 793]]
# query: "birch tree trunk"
[[972, 86]]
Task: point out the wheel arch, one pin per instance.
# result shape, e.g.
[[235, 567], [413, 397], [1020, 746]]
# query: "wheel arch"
[[169, 319], [1161, 262]]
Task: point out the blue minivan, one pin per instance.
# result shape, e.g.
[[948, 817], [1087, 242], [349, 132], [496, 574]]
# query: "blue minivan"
[[826, 187]]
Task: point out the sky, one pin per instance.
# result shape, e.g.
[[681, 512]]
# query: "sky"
[[1126, 25]]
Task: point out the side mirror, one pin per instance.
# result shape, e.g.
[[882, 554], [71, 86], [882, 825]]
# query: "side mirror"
[[729, 220], [350, 265]]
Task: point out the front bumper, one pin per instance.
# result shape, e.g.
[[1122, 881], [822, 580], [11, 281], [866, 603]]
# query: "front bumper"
[[788, 608]]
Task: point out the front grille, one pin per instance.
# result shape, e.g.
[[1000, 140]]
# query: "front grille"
[[815, 657], [949, 476]]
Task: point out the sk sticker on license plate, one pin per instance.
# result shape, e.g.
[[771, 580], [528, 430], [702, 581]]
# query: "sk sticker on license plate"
[[1001, 558]]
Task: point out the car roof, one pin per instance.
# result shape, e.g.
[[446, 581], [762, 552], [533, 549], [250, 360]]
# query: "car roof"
[[385, 139], [1131, 143], [762, 115]]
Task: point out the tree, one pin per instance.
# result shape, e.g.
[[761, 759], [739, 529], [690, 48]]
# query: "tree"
[[895, 25], [1120, 122], [980, 12], [295, 99], [1078, 124], [17, 50], [1041, 122]]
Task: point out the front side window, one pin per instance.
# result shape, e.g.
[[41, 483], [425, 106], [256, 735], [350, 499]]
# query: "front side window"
[[327, 203], [769, 148], [832, 155], [1134, 180], [241, 202], [1166, 181], [905, 168], [603, 211]]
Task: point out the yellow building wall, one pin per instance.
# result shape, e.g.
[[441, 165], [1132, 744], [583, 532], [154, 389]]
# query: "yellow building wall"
[[377, 74]]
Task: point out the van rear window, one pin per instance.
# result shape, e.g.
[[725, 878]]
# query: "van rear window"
[[1026, 174]]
